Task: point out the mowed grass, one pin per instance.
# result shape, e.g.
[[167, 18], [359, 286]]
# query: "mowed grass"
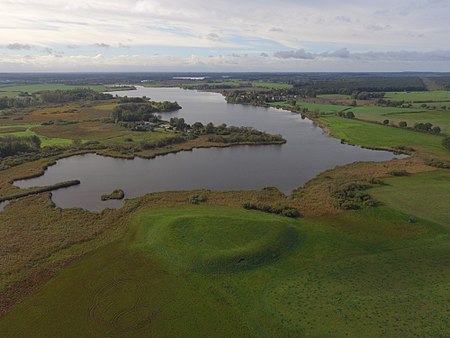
[[366, 271], [406, 194], [15, 90], [429, 96], [378, 136]]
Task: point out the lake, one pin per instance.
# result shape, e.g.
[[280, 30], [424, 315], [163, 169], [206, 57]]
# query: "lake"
[[308, 152]]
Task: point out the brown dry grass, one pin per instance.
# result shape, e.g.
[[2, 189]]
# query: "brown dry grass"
[[82, 131], [73, 112]]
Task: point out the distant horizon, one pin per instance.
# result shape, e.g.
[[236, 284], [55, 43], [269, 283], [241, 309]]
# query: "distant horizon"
[[226, 72], [224, 36]]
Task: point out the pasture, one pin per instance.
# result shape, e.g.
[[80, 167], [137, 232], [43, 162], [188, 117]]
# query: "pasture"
[[271, 85], [15, 90], [210, 271], [377, 136], [428, 96]]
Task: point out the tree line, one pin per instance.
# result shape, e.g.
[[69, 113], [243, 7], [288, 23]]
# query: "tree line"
[[11, 145], [137, 110]]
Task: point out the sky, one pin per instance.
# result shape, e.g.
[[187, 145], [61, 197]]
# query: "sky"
[[220, 35]]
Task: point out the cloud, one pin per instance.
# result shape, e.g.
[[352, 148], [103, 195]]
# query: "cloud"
[[344, 53], [102, 45], [295, 54], [343, 18], [277, 29], [213, 37], [289, 30], [18, 46]]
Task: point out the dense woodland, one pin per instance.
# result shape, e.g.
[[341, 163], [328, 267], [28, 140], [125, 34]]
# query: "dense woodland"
[[137, 109], [10, 145]]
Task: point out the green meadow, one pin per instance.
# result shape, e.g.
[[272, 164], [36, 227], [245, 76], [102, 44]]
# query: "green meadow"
[[15, 90], [45, 141], [271, 85], [429, 96], [379, 136], [405, 194], [212, 271]]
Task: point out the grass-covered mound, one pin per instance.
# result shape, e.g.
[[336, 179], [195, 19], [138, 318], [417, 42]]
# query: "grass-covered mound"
[[216, 239], [369, 271]]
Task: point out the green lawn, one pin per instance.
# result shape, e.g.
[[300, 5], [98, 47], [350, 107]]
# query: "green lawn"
[[375, 135], [209, 271], [435, 95]]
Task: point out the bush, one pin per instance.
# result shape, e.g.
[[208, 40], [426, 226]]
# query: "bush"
[[197, 199], [117, 194], [434, 162], [282, 210], [399, 173], [352, 196], [446, 142]]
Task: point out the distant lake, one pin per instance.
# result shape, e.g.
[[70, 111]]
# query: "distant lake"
[[308, 152]]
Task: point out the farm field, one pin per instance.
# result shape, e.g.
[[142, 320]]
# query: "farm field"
[[439, 118], [314, 107], [171, 275], [335, 96], [28, 130], [406, 195], [15, 90], [374, 135], [271, 85], [429, 96]]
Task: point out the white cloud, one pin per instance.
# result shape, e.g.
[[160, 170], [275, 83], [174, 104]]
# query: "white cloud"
[[302, 30]]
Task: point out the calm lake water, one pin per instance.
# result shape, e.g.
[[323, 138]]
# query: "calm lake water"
[[307, 153]]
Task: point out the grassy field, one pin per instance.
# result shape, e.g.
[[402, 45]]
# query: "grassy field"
[[335, 96], [374, 135], [314, 107], [436, 95], [214, 84], [271, 85], [15, 90], [406, 195], [209, 271], [29, 131]]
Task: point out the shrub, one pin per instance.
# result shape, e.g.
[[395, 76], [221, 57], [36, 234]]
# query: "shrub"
[[197, 199], [352, 196], [280, 209], [399, 173], [446, 142]]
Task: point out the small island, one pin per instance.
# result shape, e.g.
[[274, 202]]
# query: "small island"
[[117, 194]]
